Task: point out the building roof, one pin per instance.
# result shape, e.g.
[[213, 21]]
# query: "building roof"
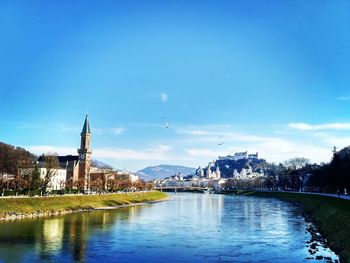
[[63, 159], [68, 158], [86, 128]]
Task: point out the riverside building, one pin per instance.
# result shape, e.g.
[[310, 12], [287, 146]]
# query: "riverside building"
[[77, 167]]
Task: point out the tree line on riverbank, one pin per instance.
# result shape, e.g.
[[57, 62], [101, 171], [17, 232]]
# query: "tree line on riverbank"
[[298, 174], [19, 174]]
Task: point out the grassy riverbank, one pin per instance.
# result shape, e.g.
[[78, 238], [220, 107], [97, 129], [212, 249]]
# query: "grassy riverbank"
[[331, 215], [56, 204]]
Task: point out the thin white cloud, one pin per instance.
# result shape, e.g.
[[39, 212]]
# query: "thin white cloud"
[[164, 97], [281, 150], [193, 132], [155, 153], [278, 151], [130, 154], [118, 131], [68, 128], [40, 149], [197, 145], [97, 131], [333, 140], [222, 133], [30, 125], [318, 127], [274, 149], [344, 98]]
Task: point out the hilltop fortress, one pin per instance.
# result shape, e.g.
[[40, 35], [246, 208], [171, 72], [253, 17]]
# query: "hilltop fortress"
[[240, 166], [240, 156]]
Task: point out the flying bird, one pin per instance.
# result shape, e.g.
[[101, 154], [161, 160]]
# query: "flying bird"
[[221, 143], [167, 125]]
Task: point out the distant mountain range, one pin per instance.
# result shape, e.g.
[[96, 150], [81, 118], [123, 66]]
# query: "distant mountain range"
[[99, 164], [161, 171]]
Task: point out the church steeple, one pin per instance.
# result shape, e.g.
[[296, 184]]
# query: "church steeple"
[[86, 127], [85, 137], [84, 155]]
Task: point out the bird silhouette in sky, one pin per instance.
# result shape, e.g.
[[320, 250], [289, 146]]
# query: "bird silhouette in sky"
[[166, 122]]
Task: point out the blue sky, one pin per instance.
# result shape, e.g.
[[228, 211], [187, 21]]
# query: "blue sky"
[[267, 76]]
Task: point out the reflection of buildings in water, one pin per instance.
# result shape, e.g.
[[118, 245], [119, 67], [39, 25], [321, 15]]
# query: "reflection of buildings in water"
[[269, 217], [17, 236], [50, 239], [212, 204], [254, 213], [205, 206], [130, 214], [53, 233], [104, 219], [78, 235], [79, 225], [133, 213], [200, 204]]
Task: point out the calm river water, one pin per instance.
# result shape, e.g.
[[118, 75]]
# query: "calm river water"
[[187, 228]]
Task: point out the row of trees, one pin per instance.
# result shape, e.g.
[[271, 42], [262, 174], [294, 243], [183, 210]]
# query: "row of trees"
[[288, 176], [115, 182], [20, 174], [298, 174], [12, 160], [30, 182], [291, 175], [333, 177]]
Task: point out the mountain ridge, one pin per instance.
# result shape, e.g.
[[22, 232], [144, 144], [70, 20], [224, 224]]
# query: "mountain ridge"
[[164, 170]]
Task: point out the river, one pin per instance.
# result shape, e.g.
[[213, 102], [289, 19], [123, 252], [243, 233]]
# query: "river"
[[186, 228]]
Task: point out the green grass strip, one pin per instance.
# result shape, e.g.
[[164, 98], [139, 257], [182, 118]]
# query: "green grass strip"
[[53, 204]]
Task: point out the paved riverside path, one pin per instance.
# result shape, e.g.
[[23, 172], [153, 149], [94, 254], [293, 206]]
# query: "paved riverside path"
[[347, 197]]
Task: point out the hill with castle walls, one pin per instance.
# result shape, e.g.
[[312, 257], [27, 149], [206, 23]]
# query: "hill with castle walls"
[[241, 165]]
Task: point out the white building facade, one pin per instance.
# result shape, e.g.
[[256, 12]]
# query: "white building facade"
[[57, 180]]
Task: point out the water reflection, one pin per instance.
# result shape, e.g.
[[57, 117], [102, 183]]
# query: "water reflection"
[[187, 228], [51, 236]]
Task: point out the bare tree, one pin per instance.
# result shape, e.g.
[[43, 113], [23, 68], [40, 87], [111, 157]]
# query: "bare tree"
[[297, 163], [51, 165], [96, 183]]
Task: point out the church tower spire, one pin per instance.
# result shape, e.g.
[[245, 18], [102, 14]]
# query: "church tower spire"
[[86, 127], [84, 155]]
